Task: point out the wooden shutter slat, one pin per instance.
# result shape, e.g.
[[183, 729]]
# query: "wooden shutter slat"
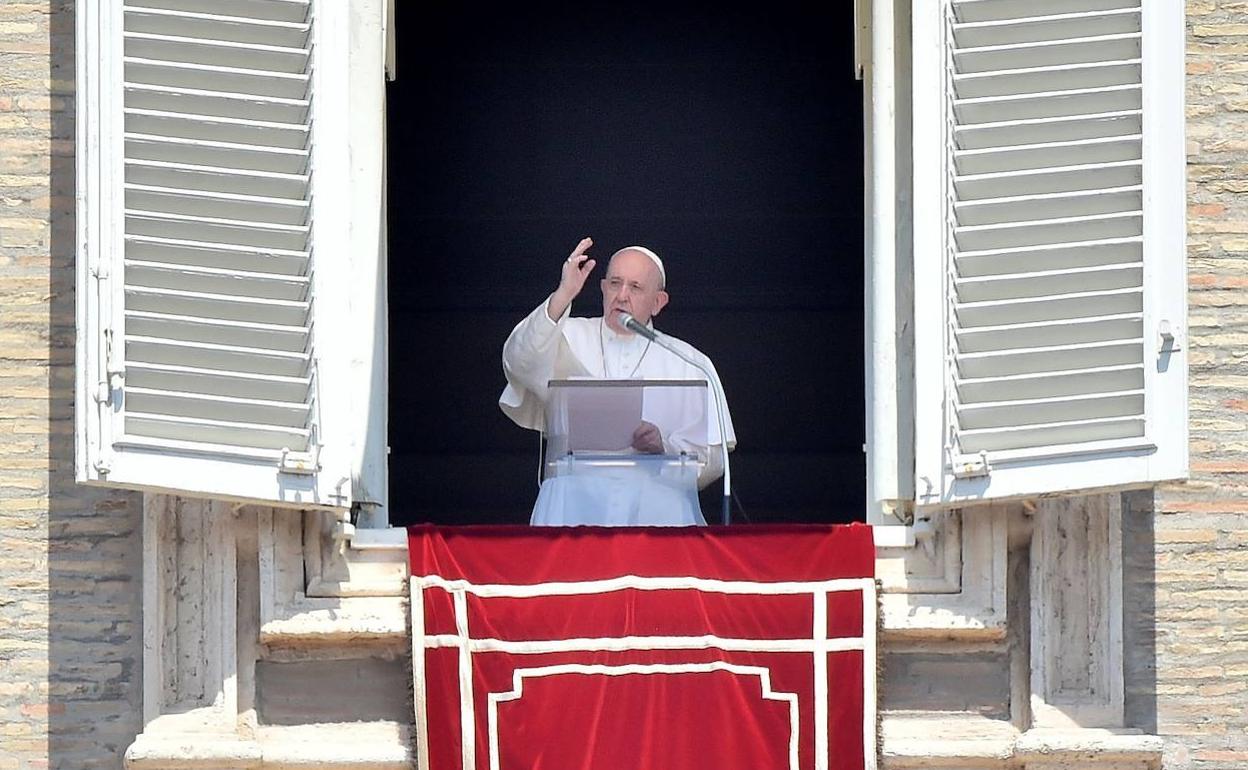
[[1049, 333], [1047, 283], [209, 77], [993, 10], [218, 207], [157, 275], [1049, 359], [1050, 180], [1052, 434], [1048, 130], [221, 306], [212, 230], [1046, 79], [185, 176], [216, 331], [1069, 382], [191, 379], [274, 10], [1033, 56], [236, 29], [215, 53], [1063, 102], [222, 104], [1112, 149], [1051, 308], [211, 128], [193, 430], [1062, 230], [246, 157], [233, 358], [1054, 28], [1050, 206], [285, 414], [1028, 412], [1071, 254]]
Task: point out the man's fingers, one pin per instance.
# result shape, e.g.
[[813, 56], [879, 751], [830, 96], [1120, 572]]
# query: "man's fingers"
[[581, 247], [587, 266]]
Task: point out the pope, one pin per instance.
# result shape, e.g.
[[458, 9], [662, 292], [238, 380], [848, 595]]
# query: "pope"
[[549, 344]]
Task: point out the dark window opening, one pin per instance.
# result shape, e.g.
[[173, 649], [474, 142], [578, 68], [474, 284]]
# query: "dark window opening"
[[729, 141]]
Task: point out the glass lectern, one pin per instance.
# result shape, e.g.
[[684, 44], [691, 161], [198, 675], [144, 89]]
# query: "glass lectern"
[[604, 466]]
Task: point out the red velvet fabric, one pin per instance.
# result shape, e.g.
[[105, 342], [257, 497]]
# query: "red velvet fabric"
[[702, 650]]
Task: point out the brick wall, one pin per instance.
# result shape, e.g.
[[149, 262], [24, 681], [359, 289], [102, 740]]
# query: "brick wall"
[[1201, 527], [70, 593]]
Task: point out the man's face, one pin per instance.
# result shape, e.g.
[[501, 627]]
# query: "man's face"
[[631, 285]]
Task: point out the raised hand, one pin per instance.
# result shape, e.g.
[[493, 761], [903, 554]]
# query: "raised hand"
[[576, 269]]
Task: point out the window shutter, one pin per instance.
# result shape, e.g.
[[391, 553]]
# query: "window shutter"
[[1048, 246], [206, 217]]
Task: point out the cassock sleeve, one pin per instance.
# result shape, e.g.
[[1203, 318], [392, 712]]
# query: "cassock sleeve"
[[529, 356]]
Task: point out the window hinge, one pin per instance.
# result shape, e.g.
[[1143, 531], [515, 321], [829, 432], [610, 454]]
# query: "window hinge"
[[304, 463], [971, 466], [114, 370], [1169, 338]]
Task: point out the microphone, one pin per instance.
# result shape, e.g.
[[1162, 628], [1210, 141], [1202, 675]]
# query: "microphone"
[[636, 327]]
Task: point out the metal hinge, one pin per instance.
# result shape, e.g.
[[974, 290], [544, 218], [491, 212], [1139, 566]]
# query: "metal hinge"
[[1170, 338], [303, 463], [114, 370], [971, 466]]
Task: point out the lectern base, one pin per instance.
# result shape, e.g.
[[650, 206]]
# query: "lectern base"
[[619, 497]]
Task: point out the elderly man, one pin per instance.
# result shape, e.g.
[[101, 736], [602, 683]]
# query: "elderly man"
[[549, 345]]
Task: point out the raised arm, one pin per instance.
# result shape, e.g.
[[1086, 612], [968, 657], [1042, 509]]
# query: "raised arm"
[[576, 269], [530, 350]]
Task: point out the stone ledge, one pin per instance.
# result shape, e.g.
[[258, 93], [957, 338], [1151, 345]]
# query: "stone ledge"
[[977, 742], [923, 741], [1067, 745], [338, 746], [192, 751], [340, 621]]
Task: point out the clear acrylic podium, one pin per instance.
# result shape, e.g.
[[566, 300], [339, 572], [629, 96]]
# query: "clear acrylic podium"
[[592, 474]]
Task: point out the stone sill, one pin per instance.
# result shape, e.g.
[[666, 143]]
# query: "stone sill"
[[349, 746], [977, 742], [340, 621]]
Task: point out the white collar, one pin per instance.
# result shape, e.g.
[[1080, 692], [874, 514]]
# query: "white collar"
[[612, 337]]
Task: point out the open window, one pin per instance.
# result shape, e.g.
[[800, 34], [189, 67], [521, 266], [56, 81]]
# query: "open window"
[[730, 142], [1024, 272], [1046, 243], [222, 293]]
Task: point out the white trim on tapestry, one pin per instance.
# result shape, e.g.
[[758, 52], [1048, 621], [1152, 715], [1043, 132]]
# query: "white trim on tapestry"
[[763, 674], [819, 646]]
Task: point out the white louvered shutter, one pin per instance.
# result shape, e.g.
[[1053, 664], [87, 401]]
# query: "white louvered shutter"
[[206, 212], [1049, 246]]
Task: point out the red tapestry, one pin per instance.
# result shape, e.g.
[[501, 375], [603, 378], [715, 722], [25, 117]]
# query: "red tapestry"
[[684, 648]]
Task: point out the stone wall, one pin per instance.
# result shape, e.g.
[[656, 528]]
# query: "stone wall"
[[70, 594], [1201, 527]]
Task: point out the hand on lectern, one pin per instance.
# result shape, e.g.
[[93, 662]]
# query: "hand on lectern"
[[576, 269], [648, 439]]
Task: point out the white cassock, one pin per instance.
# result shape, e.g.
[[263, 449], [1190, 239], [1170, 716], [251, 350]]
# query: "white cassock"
[[539, 350]]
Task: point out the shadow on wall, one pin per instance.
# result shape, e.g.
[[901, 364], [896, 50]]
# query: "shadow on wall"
[[1139, 611], [94, 700]]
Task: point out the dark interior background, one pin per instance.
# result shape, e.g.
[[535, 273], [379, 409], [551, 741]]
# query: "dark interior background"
[[729, 141]]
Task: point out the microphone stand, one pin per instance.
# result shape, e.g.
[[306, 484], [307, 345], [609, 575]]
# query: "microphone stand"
[[633, 325]]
